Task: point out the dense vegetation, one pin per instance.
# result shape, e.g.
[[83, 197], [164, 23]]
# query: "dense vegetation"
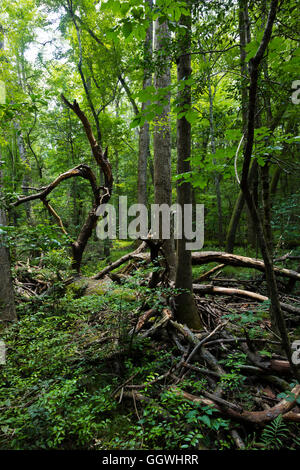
[[188, 101]]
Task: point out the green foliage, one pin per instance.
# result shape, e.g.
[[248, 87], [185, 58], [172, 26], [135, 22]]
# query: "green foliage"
[[70, 349], [285, 218], [172, 422], [56, 389], [37, 239], [274, 434]]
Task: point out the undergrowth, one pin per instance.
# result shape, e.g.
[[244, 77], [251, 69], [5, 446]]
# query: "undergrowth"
[[68, 356]]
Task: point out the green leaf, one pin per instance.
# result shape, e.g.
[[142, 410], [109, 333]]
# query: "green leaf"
[[205, 419], [127, 29]]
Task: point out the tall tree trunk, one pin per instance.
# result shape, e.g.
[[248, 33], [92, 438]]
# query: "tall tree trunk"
[[162, 142], [24, 158], [236, 214], [186, 311], [254, 186], [7, 300], [217, 176], [244, 34], [144, 133]]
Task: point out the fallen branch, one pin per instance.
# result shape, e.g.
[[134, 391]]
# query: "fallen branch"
[[255, 417], [204, 257], [120, 261], [81, 170], [237, 439], [209, 289], [204, 340], [166, 316], [144, 318], [206, 275]]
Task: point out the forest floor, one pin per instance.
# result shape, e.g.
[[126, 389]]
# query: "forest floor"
[[102, 364]]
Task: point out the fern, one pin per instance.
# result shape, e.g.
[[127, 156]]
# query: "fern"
[[274, 433]]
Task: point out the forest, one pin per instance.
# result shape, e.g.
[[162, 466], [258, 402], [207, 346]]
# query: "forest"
[[149, 225]]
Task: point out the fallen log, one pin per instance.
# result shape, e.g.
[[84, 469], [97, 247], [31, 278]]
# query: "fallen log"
[[205, 257], [214, 290]]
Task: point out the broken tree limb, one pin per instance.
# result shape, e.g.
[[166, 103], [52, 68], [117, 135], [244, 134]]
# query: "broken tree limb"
[[101, 193], [120, 261], [144, 318], [100, 157], [205, 257], [214, 290], [55, 215], [204, 340], [166, 317], [254, 417], [81, 170], [206, 275]]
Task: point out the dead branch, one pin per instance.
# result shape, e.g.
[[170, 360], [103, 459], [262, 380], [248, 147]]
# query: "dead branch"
[[204, 340], [144, 318], [206, 275], [78, 246], [214, 290], [81, 170], [254, 417], [237, 439], [120, 261], [165, 318], [204, 257], [55, 215], [100, 157]]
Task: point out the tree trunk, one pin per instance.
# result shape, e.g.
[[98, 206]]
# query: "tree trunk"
[[217, 176], [238, 208], [26, 177], [236, 214], [144, 133], [162, 143], [185, 311], [7, 301], [244, 34]]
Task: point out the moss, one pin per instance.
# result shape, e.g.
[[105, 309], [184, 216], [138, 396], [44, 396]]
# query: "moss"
[[77, 288], [98, 287], [124, 294]]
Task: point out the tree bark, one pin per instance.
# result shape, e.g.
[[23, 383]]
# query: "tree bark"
[[7, 299], [162, 142], [217, 176], [185, 310], [144, 133]]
